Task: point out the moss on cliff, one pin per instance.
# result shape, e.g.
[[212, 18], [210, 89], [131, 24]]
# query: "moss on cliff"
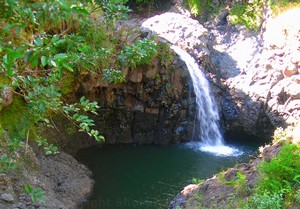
[[68, 83], [15, 118]]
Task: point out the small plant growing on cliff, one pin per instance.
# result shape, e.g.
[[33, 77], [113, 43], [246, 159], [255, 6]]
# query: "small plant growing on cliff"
[[113, 76], [197, 181], [248, 14], [138, 54], [165, 54], [36, 194], [7, 164], [280, 180]]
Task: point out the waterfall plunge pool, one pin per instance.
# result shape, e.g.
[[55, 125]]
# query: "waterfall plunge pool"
[[149, 176]]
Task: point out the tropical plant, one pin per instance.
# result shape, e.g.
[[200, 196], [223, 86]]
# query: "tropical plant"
[[36, 194], [247, 13], [280, 181], [139, 53], [7, 163], [40, 43]]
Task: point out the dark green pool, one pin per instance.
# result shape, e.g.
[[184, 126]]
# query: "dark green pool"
[[148, 176]]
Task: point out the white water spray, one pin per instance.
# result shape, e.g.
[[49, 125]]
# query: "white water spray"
[[207, 115]]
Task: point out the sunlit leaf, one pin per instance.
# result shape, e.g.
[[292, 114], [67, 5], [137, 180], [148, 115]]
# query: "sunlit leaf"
[[38, 42], [44, 61]]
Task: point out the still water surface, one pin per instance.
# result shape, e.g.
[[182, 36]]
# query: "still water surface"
[[148, 176]]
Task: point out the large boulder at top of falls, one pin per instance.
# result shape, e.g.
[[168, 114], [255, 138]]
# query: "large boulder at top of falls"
[[179, 30]]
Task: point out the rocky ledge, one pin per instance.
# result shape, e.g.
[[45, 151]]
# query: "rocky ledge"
[[65, 182], [214, 192]]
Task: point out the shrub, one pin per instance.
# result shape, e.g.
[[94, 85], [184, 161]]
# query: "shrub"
[[280, 181], [248, 14], [139, 53]]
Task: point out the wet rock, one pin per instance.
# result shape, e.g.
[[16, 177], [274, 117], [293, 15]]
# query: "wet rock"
[[7, 197]]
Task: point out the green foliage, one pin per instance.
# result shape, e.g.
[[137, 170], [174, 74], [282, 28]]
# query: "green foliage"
[[36, 194], [74, 112], [248, 14], [15, 145], [280, 180], [197, 181], [165, 54], [113, 76], [265, 201], [279, 6], [200, 7], [50, 149], [281, 169], [41, 42], [195, 6], [139, 53], [114, 9], [6, 164]]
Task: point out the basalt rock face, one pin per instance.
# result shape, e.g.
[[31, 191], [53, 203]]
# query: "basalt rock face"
[[154, 106]]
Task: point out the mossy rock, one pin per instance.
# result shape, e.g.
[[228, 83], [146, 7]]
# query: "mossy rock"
[[68, 84], [15, 118]]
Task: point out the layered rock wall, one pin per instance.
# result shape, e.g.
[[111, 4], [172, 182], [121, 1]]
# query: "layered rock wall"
[[155, 105]]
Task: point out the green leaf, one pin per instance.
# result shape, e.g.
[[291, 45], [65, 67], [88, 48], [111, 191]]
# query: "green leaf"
[[100, 138], [57, 43], [60, 56], [44, 61], [37, 195], [55, 38], [15, 55], [28, 189], [27, 55], [53, 63], [38, 42], [68, 67], [63, 3], [34, 60], [82, 99]]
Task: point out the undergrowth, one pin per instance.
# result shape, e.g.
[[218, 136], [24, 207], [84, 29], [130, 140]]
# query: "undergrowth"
[[279, 182], [280, 6], [247, 13], [45, 45]]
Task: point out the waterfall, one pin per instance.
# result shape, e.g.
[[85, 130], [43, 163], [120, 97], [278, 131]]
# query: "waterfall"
[[207, 115]]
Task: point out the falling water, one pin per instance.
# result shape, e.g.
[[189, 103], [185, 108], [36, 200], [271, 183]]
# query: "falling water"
[[207, 115]]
